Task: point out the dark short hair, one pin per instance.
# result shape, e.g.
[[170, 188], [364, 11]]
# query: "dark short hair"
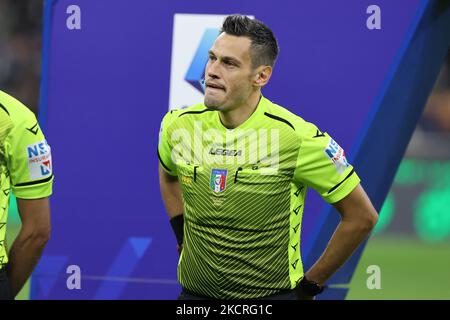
[[264, 47]]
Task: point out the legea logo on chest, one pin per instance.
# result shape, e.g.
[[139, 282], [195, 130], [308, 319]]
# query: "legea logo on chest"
[[205, 146]]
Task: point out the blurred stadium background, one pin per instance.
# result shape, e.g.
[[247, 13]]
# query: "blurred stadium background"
[[411, 243]]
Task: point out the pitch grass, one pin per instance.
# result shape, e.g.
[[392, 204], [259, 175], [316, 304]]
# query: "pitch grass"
[[410, 269]]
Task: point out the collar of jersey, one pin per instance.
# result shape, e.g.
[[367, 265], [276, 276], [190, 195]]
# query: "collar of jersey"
[[251, 121]]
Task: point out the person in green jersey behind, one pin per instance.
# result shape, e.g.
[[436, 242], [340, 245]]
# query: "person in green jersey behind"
[[26, 169], [234, 171]]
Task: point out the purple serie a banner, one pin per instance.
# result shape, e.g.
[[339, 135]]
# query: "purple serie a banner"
[[112, 68]]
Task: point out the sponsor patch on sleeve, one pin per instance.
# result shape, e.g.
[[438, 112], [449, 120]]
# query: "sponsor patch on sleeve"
[[337, 156], [39, 160]]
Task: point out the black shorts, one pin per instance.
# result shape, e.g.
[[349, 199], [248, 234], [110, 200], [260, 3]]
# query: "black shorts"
[[5, 286]]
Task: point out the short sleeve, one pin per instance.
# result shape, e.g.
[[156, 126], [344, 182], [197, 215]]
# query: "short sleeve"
[[323, 166], [29, 160], [164, 147]]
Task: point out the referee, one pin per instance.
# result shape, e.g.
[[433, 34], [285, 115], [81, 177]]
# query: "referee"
[[26, 169], [234, 171]]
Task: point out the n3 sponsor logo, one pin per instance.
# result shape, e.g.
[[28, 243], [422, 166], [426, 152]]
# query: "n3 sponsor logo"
[[337, 156], [39, 160], [38, 149]]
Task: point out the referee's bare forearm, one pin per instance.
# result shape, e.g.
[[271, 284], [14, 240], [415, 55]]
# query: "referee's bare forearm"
[[358, 218]]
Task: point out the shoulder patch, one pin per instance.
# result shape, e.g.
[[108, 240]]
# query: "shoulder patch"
[[39, 160], [336, 155]]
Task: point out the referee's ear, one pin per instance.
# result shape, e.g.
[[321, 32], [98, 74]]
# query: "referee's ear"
[[262, 76]]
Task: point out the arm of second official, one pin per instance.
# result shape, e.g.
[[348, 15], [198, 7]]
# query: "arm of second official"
[[30, 167], [30, 242]]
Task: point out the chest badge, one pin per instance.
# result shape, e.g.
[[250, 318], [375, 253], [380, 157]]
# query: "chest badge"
[[218, 180]]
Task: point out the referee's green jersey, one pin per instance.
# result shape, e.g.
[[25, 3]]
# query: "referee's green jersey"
[[25, 160], [243, 194]]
